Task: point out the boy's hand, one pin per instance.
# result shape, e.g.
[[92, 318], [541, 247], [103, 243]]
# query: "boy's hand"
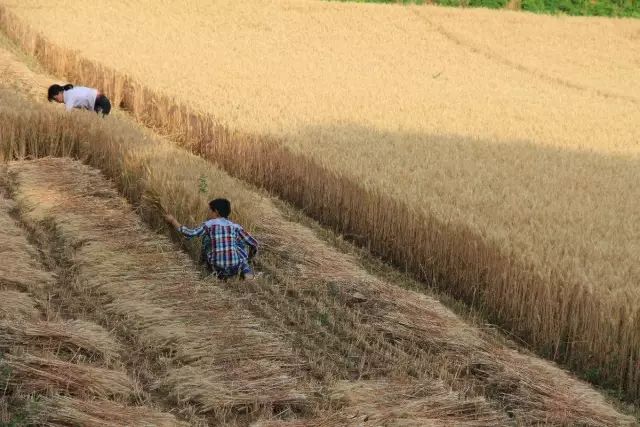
[[171, 220]]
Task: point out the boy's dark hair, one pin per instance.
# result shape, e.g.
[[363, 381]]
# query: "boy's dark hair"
[[54, 90], [222, 206]]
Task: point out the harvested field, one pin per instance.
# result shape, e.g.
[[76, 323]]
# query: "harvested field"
[[63, 411], [31, 374], [504, 160], [395, 404], [17, 305], [43, 362], [78, 338], [146, 284], [24, 272], [344, 323]]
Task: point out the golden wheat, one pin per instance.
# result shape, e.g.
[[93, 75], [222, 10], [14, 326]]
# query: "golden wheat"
[[393, 403], [393, 330], [34, 374], [73, 336], [17, 305], [497, 164], [62, 411], [24, 272]]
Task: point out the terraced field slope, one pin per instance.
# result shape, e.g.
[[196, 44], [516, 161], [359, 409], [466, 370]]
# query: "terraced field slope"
[[318, 340], [494, 151]]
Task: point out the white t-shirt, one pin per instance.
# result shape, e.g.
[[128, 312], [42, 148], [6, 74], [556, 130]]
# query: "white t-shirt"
[[80, 97]]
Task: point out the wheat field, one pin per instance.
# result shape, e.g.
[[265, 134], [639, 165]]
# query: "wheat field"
[[365, 348], [507, 142]]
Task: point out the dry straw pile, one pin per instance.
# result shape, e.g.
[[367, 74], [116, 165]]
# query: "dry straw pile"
[[75, 337], [391, 403], [217, 357], [24, 272], [56, 372], [345, 323], [64, 411], [494, 164]]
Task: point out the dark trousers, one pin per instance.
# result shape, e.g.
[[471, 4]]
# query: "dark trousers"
[[224, 273], [103, 106]]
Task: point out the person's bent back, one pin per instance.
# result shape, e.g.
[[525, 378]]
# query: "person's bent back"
[[79, 97]]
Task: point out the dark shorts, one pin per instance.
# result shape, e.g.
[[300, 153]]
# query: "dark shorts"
[[229, 272], [241, 269], [103, 106]]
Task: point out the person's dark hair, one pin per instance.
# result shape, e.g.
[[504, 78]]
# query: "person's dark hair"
[[54, 90], [222, 206]]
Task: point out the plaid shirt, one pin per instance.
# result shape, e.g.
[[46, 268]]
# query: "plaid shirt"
[[227, 242]]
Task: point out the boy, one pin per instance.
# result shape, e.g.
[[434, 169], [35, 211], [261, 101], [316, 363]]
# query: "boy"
[[223, 242]]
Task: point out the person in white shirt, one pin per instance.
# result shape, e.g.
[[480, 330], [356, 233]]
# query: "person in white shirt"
[[79, 97]]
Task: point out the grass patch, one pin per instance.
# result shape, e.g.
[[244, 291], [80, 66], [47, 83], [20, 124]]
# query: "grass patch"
[[611, 8]]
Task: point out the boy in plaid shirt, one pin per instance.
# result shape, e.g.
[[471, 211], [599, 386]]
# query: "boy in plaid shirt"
[[227, 247]]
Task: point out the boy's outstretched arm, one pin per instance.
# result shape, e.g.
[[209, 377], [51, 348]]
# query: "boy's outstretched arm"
[[185, 231]]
